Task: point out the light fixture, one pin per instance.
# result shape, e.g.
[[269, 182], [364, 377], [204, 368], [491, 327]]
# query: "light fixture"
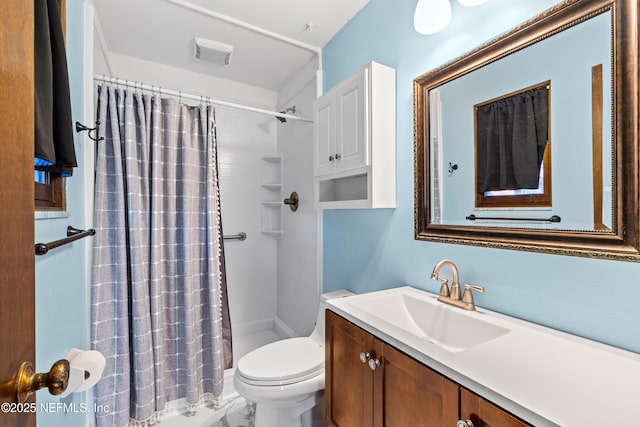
[[431, 16], [213, 51], [471, 2]]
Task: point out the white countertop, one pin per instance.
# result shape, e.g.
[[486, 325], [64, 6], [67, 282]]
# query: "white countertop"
[[544, 376]]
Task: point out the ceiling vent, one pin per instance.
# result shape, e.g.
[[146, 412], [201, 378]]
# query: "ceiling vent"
[[212, 51]]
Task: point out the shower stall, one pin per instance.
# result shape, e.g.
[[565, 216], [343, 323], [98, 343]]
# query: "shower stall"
[[273, 280]]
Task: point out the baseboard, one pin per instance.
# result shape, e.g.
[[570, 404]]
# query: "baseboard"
[[276, 325], [283, 330]]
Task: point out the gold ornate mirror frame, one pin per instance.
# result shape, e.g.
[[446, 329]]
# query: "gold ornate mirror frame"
[[620, 243]]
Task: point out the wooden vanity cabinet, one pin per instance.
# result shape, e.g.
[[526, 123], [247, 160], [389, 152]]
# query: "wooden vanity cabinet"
[[407, 393], [400, 391], [483, 413], [348, 385]]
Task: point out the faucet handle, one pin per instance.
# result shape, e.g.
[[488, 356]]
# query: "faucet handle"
[[467, 296], [474, 287], [444, 289]]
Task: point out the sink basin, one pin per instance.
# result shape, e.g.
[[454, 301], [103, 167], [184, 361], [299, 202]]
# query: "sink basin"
[[424, 317]]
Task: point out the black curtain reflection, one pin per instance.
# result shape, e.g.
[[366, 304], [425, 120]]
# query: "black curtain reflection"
[[511, 139]]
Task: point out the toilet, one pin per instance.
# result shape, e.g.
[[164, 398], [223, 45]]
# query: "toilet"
[[285, 379]]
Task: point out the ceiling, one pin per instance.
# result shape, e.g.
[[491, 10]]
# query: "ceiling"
[[162, 31]]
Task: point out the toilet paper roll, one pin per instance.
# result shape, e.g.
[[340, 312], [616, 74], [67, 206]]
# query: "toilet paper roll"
[[76, 378], [86, 369]]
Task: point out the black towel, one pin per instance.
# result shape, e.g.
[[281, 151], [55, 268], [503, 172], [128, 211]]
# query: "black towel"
[[54, 150]]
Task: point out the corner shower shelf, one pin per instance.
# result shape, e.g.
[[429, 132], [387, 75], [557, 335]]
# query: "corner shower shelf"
[[271, 195]]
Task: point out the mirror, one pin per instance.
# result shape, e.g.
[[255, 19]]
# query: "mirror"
[[582, 55]]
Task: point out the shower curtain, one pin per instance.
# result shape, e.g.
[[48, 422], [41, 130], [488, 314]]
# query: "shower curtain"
[[158, 294]]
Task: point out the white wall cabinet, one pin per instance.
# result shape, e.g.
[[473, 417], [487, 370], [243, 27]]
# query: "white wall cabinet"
[[271, 195], [354, 141]]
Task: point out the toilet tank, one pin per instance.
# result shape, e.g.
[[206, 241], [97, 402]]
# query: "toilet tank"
[[318, 332]]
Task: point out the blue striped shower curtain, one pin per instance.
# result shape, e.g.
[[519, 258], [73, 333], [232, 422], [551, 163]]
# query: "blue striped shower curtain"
[[158, 292]]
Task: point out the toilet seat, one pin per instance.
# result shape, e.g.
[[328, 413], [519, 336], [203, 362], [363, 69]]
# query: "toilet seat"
[[282, 362]]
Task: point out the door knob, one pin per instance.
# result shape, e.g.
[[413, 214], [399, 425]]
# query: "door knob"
[[25, 381]]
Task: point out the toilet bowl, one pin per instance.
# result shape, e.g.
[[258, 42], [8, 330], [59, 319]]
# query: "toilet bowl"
[[285, 379]]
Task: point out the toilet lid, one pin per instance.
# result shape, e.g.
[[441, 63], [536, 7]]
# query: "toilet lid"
[[283, 362]]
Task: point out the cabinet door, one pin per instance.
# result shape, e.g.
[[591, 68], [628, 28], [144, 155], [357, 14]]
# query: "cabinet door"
[[348, 382], [324, 130], [485, 414], [409, 394], [352, 123]]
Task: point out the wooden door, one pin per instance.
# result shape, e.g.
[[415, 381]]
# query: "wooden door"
[[348, 381], [16, 196], [409, 394], [485, 414]]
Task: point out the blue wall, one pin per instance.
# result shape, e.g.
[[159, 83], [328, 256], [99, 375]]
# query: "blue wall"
[[368, 250], [61, 288]]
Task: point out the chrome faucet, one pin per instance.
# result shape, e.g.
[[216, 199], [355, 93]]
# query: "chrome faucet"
[[453, 297]]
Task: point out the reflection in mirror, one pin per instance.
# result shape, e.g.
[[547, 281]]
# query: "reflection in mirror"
[[577, 54], [565, 61], [513, 160]]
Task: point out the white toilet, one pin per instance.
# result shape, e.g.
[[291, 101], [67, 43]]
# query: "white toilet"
[[285, 379]]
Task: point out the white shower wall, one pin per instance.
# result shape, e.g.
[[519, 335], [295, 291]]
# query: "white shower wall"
[[299, 282]]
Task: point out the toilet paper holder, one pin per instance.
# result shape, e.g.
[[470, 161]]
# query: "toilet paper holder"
[[25, 381]]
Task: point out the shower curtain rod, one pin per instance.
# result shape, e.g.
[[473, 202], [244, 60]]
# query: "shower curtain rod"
[[199, 98]]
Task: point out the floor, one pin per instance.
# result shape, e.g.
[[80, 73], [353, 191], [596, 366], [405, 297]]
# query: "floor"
[[233, 410], [238, 414]]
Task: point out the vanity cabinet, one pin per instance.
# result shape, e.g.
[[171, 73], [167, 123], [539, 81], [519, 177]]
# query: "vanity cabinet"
[[348, 383], [483, 413], [370, 383], [354, 141]]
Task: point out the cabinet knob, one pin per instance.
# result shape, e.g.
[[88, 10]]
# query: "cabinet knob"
[[464, 423], [337, 156], [331, 157], [374, 363], [364, 357]]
